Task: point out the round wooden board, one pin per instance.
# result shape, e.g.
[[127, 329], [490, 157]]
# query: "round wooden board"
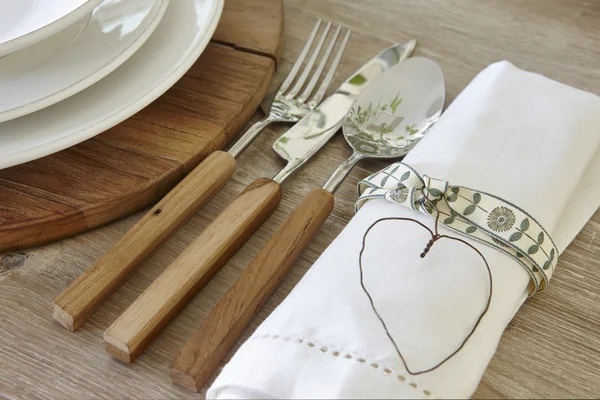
[[134, 164]]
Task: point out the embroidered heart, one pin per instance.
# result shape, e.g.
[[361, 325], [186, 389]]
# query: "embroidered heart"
[[424, 343]]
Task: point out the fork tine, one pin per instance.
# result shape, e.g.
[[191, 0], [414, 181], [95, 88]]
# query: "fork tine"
[[316, 99], [309, 65], [317, 74], [296, 67]]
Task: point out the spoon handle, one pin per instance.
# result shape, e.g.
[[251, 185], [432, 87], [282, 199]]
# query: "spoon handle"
[[203, 352], [342, 171]]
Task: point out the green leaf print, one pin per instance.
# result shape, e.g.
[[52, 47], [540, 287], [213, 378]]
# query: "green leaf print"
[[546, 265], [452, 198], [540, 238], [476, 198], [525, 225], [455, 189], [533, 249], [428, 208], [470, 209], [471, 229], [384, 180], [405, 176], [435, 192], [515, 236]]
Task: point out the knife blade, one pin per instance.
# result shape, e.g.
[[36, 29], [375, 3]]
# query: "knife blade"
[[305, 138]]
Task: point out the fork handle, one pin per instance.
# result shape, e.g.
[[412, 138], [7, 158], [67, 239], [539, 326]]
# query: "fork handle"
[[78, 301], [170, 292], [205, 350], [251, 134]]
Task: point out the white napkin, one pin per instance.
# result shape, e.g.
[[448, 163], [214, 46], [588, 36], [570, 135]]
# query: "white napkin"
[[511, 133]]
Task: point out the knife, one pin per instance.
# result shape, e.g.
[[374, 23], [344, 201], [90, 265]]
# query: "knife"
[[205, 350], [305, 138], [169, 293]]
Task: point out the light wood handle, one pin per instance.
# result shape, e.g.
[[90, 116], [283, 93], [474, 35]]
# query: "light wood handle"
[[78, 301], [204, 351], [169, 293]]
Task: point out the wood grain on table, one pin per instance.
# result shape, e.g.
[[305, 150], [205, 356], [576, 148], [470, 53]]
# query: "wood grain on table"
[[552, 347]]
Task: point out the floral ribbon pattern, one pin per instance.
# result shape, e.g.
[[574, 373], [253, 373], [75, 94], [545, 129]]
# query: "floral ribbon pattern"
[[476, 214]]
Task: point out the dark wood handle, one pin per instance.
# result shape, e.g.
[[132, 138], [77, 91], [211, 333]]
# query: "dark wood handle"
[[78, 301], [170, 292], [204, 351]]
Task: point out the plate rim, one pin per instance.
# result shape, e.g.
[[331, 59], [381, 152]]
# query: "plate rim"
[[160, 7], [45, 31], [116, 116]]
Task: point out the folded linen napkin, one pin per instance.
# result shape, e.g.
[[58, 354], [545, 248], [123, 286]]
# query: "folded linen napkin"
[[518, 135]]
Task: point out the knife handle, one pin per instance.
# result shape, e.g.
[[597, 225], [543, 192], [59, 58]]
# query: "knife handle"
[[204, 351], [78, 301], [127, 337]]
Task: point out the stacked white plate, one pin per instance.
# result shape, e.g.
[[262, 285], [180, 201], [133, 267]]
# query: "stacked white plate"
[[71, 69]]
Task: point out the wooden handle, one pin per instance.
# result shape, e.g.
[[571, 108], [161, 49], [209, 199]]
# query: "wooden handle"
[[78, 301], [205, 350], [170, 292]]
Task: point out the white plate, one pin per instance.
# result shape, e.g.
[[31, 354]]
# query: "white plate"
[[25, 22], [87, 52], [180, 38]]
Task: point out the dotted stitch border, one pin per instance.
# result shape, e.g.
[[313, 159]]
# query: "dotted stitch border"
[[347, 356]]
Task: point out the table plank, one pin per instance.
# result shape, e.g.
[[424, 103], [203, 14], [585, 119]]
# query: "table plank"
[[558, 38]]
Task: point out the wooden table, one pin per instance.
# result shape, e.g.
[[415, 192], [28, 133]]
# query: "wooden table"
[[560, 39]]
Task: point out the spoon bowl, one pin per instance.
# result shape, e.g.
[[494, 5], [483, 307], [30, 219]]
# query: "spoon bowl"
[[395, 111], [392, 114]]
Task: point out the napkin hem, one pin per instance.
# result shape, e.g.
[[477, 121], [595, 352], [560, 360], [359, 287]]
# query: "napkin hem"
[[348, 356]]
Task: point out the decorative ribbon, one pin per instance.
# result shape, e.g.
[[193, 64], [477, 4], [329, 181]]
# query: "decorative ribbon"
[[479, 215]]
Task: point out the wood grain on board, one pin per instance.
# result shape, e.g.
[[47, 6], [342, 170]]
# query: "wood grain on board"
[[242, 29], [549, 350], [134, 164]]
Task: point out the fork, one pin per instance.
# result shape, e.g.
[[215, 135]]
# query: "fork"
[[292, 101], [291, 105]]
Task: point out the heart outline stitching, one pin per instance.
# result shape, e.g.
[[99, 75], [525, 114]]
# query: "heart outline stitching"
[[434, 237]]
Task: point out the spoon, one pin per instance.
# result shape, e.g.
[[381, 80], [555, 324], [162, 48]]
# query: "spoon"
[[387, 120], [392, 114]]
